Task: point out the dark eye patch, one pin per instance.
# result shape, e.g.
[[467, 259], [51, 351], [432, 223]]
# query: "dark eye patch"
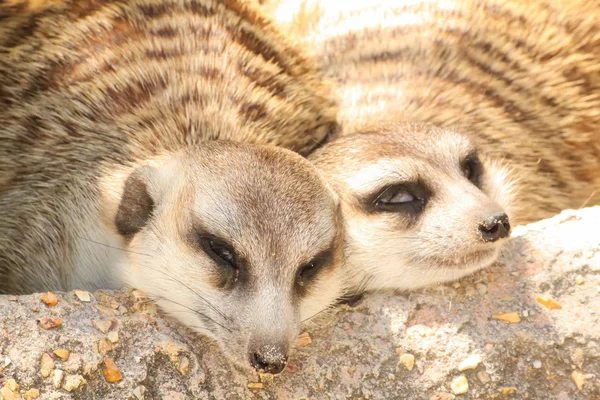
[[308, 272], [472, 168], [229, 264], [406, 197]]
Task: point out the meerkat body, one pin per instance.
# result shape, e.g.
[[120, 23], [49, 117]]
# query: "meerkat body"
[[521, 78], [107, 176]]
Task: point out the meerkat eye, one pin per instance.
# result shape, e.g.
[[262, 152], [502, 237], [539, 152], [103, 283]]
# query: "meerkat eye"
[[401, 198], [472, 169], [220, 252], [308, 272]]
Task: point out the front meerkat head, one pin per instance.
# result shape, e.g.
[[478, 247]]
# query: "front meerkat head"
[[419, 204], [240, 242]]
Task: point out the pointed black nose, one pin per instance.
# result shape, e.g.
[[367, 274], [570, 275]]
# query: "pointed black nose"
[[270, 359], [494, 228]]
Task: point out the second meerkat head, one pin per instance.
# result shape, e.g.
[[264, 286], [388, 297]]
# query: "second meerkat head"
[[240, 242], [420, 205]]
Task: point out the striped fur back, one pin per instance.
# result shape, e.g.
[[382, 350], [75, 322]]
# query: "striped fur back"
[[521, 77]]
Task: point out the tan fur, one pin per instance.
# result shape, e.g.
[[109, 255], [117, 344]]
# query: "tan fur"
[[108, 175], [432, 234], [522, 78]]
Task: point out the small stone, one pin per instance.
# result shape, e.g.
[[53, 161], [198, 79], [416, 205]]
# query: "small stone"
[[579, 379], [508, 318], [470, 363], [7, 361], [57, 378], [483, 376], [50, 299], [548, 302], [12, 385], [525, 313], [50, 322], [74, 363], [481, 288], [303, 340], [266, 378], [122, 310], [47, 365], [104, 346], [138, 295], [13, 298], [8, 394], [111, 372], [579, 280], [113, 336], [72, 382], [183, 366], [106, 310], [103, 326], [408, 360], [537, 364], [508, 390], [255, 385], [456, 285], [84, 296], [32, 394], [139, 392], [63, 354], [460, 385]]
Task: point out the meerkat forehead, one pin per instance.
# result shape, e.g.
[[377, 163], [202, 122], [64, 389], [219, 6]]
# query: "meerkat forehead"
[[246, 193], [391, 152]]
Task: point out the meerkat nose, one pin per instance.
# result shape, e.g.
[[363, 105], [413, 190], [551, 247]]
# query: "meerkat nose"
[[494, 228]]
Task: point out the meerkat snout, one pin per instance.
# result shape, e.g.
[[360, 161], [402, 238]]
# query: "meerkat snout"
[[239, 242], [420, 206], [494, 228], [270, 358]]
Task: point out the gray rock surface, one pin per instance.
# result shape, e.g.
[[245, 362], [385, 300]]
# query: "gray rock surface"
[[355, 352]]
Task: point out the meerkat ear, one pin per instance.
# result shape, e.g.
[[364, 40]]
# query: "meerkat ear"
[[137, 204]]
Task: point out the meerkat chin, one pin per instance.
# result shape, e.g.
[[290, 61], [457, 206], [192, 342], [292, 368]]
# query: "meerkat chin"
[[419, 205]]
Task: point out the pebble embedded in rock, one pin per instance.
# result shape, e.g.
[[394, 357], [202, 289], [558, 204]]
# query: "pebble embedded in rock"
[[104, 346], [32, 394], [547, 302], [184, 366], [8, 394], [72, 382], [537, 364], [50, 322], [103, 325], [408, 360], [579, 280], [470, 363], [255, 385], [483, 376], [508, 390], [460, 385], [113, 336], [50, 299], [63, 354], [139, 392], [507, 318], [57, 378], [303, 340], [83, 295], [111, 372], [578, 379], [46, 365]]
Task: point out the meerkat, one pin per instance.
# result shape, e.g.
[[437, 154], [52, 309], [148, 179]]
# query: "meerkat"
[[111, 174], [419, 205], [514, 90], [520, 78]]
